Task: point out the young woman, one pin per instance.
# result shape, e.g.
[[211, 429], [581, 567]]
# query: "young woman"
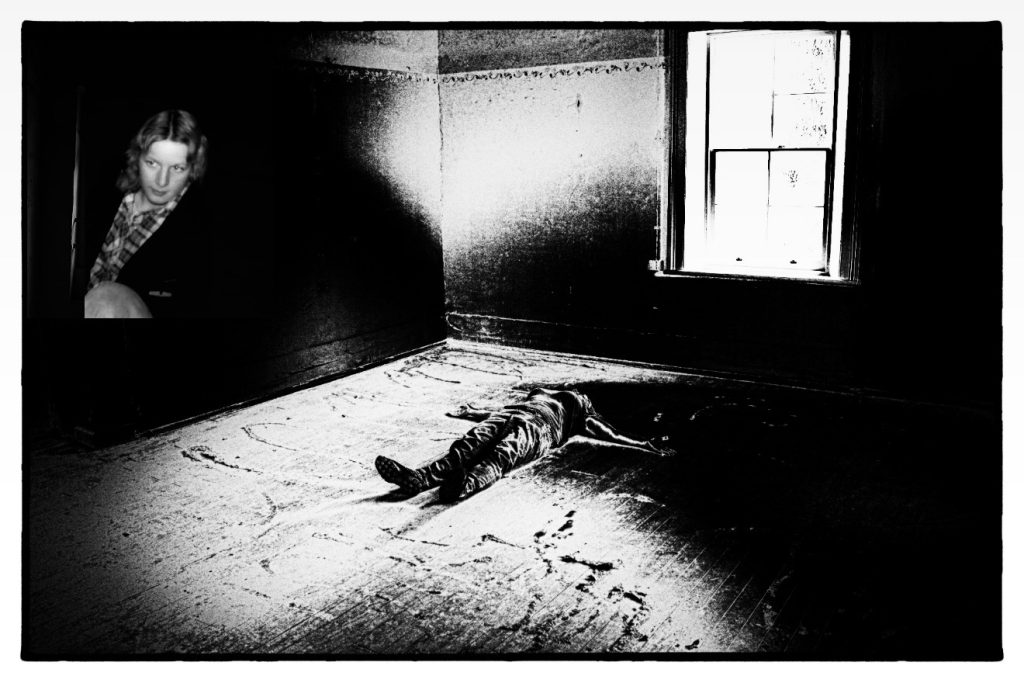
[[149, 253]]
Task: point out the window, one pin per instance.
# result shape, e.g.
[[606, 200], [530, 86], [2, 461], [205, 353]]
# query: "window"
[[763, 151]]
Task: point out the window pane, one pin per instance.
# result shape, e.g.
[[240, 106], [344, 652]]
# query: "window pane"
[[738, 232], [796, 234], [756, 196], [802, 121], [741, 177], [805, 62], [797, 178], [740, 85]]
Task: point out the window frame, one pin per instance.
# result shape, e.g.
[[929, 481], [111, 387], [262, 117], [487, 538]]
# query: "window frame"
[[841, 269]]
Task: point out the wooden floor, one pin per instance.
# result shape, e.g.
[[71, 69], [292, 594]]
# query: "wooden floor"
[[791, 524]]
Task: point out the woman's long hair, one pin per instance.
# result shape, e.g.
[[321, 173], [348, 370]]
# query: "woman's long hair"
[[175, 125]]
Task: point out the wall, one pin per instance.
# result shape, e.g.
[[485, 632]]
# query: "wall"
[[410, 51], [365, 147], [551, 179], [933, 250], [550, 189], [488, 49], [551, 251], [346, 215]]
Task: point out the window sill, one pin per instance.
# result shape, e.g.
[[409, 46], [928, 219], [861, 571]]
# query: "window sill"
[[755, 276]]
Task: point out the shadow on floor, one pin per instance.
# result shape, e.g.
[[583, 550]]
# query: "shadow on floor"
[[886, 515]]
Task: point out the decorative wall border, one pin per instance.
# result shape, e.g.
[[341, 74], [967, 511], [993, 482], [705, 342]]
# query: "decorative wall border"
[[360, 74], [556, 70]]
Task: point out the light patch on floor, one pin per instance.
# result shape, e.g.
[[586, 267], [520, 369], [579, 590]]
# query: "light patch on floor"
[[267, 530]]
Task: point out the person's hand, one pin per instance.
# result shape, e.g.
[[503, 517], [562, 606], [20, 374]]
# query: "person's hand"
[[462, 411], [660, 446]]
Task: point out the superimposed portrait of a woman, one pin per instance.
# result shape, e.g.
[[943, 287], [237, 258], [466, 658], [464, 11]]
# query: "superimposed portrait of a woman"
[[151, 261]]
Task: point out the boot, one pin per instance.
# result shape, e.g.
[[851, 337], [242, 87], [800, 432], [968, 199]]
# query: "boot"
[[409, 480]]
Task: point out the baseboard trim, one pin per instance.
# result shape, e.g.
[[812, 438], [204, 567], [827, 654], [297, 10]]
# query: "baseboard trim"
[[523, 340]]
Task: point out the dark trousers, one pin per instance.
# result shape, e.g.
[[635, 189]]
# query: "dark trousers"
[[490, 450]]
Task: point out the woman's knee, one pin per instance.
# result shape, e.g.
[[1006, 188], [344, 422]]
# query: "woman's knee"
[[114, 300]]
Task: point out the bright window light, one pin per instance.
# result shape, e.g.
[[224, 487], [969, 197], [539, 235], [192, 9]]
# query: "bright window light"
[[765, 111]]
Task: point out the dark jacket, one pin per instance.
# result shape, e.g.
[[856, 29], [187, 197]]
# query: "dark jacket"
[[172, 270]]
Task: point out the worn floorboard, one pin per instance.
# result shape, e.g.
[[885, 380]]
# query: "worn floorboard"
[[791, 523]]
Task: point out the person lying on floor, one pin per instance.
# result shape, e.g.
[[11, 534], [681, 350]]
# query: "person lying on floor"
[[506, 439]]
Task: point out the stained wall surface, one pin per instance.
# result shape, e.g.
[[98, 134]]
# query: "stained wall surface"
[[551, 175], [551, 194], [413, 51], [488, 49]]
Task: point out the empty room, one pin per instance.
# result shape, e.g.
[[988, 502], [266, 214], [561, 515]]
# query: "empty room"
[[498, 341]]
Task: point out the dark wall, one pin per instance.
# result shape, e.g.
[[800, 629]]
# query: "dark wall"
[[328, 243], [556, 255], [932, 259]]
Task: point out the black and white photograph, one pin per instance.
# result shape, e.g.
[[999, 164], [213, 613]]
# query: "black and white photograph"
[[509, 340]]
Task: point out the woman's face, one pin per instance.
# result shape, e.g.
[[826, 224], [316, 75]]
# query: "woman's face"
[[163, 172]]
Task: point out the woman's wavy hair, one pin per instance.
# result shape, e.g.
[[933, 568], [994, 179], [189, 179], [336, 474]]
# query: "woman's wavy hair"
[[175, 125]]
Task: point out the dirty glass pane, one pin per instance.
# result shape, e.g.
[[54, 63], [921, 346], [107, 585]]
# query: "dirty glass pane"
[[803, 121], [741, 178], [804, 62], [797, 178], [740, 90], [796, 234], [771, 98], [737, 232]]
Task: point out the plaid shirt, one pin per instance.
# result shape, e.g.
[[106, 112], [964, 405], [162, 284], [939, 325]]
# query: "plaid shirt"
[[126, 236]]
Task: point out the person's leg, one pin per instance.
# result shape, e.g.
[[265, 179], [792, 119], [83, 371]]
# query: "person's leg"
[[523, 442], [462, 454]]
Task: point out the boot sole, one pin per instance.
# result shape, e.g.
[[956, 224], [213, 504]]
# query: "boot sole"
[[397, 474]]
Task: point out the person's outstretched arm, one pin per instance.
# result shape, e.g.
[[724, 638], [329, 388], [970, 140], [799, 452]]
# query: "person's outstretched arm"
[[598, 428], [468, 412]]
